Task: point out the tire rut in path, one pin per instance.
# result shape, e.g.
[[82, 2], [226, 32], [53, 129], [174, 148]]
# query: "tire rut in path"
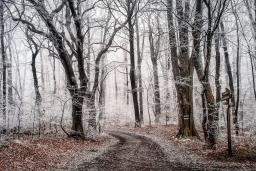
[[132, 153]]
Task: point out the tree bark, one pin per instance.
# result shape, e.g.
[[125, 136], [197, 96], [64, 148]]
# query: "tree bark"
[[132, 70], [217, 74], [182, 68], [211, 106], [154, 55], [3, 53], [139, 61], [229, 70]]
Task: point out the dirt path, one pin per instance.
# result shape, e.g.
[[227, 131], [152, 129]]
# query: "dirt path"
[[132, 153]]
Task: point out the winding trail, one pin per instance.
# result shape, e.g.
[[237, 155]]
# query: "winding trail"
[[132, 153]]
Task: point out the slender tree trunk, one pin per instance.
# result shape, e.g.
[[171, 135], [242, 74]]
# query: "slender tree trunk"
[[132, 73], [3, 53], [35, 79], [127, 79], [211, 106], [42, 71], [235, 118], [102, 94], [228, 68], [217, 75], [153, 54], [54, 76], [139, 58], [89, 52], [116, 87]]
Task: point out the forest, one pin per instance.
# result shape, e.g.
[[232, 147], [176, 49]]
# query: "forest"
[[127, 85]]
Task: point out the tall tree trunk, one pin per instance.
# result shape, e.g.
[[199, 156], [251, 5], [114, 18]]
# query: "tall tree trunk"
[[132, 72], [35, 79], [217, 75], [235, 118], [42, 71], [253, 25], [182, 68], [3, 53], [126, 79], [228, 67], [89, 52], [102, 95], [54, 76], [211, 106], [139, 74], [154, 55], [10, 78], [116, 87]]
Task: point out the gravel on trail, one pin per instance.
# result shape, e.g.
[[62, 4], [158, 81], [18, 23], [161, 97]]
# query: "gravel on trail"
[[132, 153]]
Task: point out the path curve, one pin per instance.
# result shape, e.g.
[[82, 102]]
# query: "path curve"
[[132, 153]]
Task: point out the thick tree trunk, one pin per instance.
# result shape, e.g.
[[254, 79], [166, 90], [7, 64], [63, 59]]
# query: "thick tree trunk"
[[182, 68], [204, 117], [92, 125], [77, 108]]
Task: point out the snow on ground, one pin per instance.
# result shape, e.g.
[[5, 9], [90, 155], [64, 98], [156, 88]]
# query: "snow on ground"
[[189, 152], [86, 155], [50, 153]]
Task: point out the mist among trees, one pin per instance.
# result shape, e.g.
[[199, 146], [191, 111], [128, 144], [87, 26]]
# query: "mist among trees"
[[81, 68]]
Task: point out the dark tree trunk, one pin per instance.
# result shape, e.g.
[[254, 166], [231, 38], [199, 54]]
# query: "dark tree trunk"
[[77, 108], [35, 78], [217, 75], [132, 69], [229, 70], [3, 53], [235, 118], [54, 76], [204, 117], [211, 106]]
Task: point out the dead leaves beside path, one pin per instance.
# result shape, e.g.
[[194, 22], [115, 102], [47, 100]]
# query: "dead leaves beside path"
[[27, 153], [244, 147]]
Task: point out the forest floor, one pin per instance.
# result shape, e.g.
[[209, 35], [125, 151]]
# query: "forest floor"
[[49, 153], [132, 153], [124, 149], [192, 154]]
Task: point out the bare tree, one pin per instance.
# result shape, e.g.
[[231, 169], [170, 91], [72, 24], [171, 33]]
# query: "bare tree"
[[182, 68]]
